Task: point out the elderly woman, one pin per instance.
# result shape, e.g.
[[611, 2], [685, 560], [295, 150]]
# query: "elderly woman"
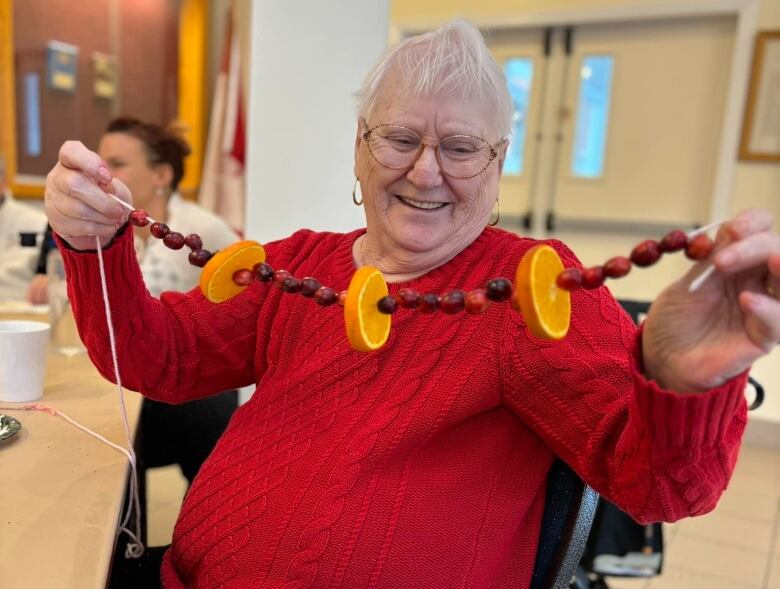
[[422, 464]]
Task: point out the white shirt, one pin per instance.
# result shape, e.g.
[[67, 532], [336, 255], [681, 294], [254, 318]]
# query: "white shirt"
[[17, 263], [166, 269]]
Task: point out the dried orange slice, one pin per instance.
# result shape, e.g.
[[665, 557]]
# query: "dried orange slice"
[[545, 307], [216, 278], [367, 328]]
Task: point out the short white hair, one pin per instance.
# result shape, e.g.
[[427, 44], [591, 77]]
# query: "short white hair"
[[452, 58]]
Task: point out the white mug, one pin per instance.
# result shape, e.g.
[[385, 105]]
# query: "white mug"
[[23, 347]]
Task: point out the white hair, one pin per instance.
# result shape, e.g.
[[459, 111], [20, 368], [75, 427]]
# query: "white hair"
[[452, 58]]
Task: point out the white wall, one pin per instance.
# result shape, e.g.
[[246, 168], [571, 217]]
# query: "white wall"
[[308, 59]]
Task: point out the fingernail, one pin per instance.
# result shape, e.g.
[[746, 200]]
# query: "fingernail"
[[104, 174]]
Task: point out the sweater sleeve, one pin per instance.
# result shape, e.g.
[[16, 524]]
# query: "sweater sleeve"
[[657, 454], [178, 348]]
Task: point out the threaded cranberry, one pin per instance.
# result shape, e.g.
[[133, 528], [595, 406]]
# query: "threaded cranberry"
[[139, 218], [699, 248], [387, 305], [593, 277], [453, 302], [674, 241], [617, 267], [570, 279], [309, 286], [342, 297], [243, 277], [476, 301], [263, 272], [325, 296], [646, 253], [499, 289], [159, 230], [193, 241], [199, 257], [428, 303], [174, 240], [280, 276], [407, 298], [291, 285]]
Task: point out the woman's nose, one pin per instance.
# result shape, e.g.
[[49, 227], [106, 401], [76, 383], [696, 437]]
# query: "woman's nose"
[[426, 170]]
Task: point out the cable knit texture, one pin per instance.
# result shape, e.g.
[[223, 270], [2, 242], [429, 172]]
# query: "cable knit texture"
[[420, 465]]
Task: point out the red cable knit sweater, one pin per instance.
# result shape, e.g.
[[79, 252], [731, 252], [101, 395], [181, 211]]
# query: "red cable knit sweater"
[[421, 465]]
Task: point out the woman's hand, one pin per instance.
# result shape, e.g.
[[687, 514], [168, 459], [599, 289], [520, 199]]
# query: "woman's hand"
[[694, 341], [77, 201], [38, 291]]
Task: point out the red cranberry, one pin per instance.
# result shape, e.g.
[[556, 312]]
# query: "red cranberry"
[[159, 230], [199, 258], [570, 279], [139, 218], [499, 289], [407, 298], [309, 286], [342, 297], [674, 241], [617, 267], [291, 285], [325, 296], [453, 302], [193, 241], [593, 277], [646, 253], [477, 301], [387, 305], [699, 248], [428, 303], [243, 277], [280, 276], [174, 240], [263, 272]]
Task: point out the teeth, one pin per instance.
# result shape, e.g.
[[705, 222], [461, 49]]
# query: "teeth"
[[418, 204]]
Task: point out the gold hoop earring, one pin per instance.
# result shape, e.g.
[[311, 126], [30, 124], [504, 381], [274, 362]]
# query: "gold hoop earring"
[[498, 214], [355, 190]]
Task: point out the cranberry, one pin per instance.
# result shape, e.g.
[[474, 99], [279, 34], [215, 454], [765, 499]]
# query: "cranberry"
[[407, 298], [617, 267], [243, 277], [570, 279], [291, 285], [699, 248], [499, 289], [477, 301], [309, 286], [280, 276], [515, 303], [646, 253], [263, 272], [325, 296], [593, 277], [193, 241], [139, 218], [453, 302], [159, 230], [199, 258], [174, 240], [428, 303], [387, 305], [674, 241], [342, 297]]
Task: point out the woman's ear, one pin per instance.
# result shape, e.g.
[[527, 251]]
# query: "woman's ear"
[[502, 149], [358, 139], [163, 175]]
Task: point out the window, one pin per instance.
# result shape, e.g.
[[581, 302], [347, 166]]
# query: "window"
[[590, 134], [519, 73]]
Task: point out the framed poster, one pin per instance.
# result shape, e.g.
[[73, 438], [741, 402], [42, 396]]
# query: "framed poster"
[[761, 127], [61, 66]]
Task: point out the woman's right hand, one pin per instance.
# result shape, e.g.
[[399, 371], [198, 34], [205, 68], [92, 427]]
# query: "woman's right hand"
[[77, 201]]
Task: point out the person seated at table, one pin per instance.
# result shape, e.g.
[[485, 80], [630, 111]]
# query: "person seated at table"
[[424, 463], [20, 228]]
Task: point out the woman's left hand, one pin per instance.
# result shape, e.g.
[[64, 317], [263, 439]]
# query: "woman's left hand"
[[695, 341]]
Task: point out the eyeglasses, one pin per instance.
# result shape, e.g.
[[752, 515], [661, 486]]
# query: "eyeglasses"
[[459, 156]]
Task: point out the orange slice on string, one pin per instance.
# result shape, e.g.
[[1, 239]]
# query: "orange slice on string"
[[216, 278], [367, 328], [546, 308]]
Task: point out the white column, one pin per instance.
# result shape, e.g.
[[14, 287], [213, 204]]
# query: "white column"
[[308, 59]]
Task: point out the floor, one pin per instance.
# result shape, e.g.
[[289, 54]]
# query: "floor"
[[737, 546]]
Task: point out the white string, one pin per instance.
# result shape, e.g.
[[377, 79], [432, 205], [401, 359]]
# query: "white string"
[[135, 548], [702, 278]]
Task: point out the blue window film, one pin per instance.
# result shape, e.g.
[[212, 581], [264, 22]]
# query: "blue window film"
[[590, 135], [519, 72]]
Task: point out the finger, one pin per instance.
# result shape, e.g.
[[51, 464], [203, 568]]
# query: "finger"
[[78, 210], [748, 222], [750, 252], [67, 183], [762, 319], [75, 156], [79, 228], [121, 191]]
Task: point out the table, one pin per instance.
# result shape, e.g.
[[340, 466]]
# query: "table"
[[61, 490]]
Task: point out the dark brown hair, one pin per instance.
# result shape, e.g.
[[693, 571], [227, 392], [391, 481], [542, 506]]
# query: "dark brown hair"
[[162, 145]]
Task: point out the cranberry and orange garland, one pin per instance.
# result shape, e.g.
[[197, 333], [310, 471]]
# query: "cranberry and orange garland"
[[541, 291]]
